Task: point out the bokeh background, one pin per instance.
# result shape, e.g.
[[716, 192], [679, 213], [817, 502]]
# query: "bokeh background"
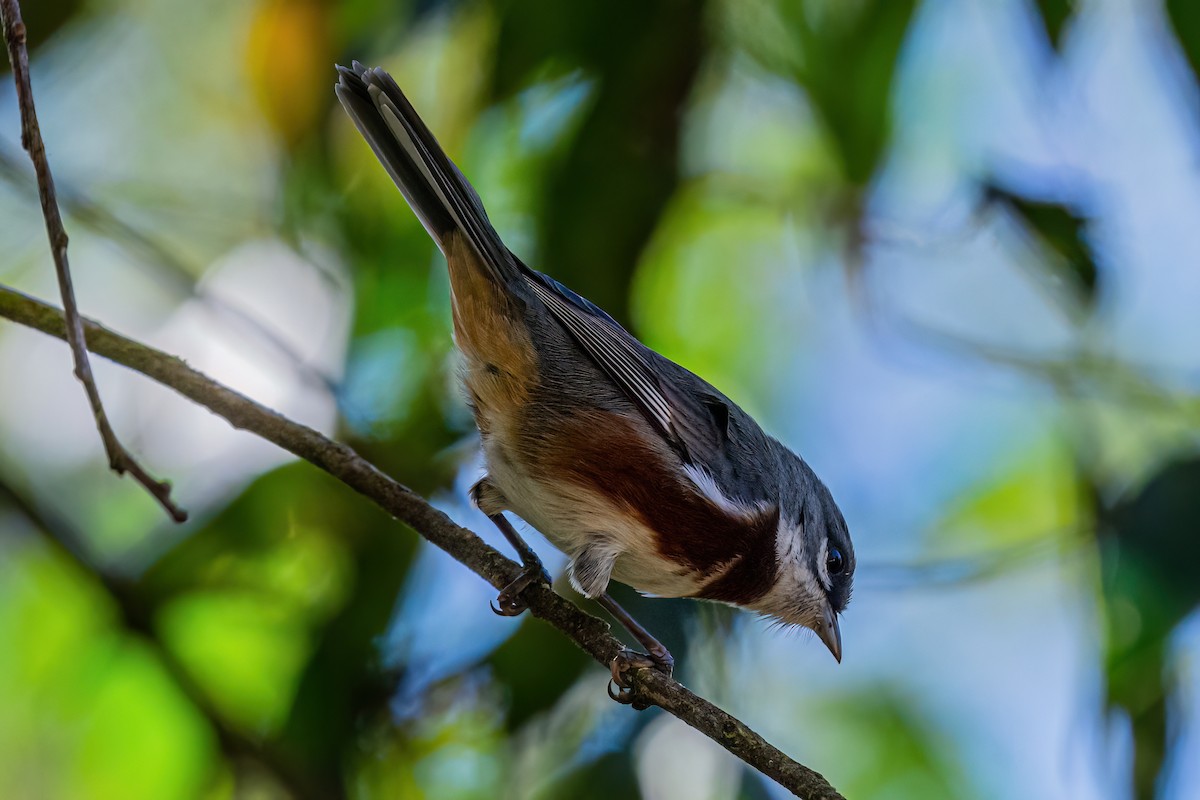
[[945, 249]]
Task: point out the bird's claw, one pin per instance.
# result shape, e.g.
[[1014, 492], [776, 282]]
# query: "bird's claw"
[[509, 602], [624, 664], [506, 606]]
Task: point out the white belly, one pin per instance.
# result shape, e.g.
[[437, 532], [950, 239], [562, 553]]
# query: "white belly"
[[573, 518]]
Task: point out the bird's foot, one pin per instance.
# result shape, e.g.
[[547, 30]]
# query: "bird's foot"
[[509, 602], [625, 663]]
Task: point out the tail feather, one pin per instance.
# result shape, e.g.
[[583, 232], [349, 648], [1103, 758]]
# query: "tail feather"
[[439, 194]]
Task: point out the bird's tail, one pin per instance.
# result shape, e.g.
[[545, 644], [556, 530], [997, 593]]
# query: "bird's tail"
[[440, 196]]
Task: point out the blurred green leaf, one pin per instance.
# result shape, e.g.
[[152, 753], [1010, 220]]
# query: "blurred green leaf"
[[141, 735], [345, 683], [284, 536], [694, 308], [1185, 18], [246, 653], [1035, 498], [1063, 232], [897, 753], [1055, 14], [299, 548], [85, 710]]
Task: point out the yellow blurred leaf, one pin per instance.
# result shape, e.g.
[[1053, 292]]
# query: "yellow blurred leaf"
[[289, 64]]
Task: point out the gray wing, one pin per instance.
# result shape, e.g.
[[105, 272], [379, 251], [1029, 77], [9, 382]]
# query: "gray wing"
[[690, 415]]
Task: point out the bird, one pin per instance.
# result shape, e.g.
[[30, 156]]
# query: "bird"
[[640, 471]]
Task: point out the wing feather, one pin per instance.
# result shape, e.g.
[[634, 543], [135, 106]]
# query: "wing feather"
[[621, 357]]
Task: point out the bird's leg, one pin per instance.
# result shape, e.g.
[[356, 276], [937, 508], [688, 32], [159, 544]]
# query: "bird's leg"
[[488, 498], [509, 602], [657, 655], [657, 651]]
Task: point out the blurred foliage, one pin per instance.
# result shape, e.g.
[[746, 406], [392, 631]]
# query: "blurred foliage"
[[609, 776], [43, 20], [1185, 18], [662, 158], [844, 55], [1150, 562], [1055, 14], [538, 666], [1033, 498], [627, 143], [1063, 232], [896, 752], [288, 53]]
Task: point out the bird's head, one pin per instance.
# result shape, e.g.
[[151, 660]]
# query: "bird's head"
[[815, 558]]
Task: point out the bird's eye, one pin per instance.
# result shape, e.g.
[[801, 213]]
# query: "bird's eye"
[[835, 562]]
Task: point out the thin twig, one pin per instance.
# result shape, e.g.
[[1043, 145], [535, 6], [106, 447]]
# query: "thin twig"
[[590, 634], [31, 139]]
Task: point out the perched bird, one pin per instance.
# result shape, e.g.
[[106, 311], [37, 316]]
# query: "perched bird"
[[637, 469]]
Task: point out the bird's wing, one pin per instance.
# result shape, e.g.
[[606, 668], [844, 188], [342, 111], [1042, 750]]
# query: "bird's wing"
[[692, 422]]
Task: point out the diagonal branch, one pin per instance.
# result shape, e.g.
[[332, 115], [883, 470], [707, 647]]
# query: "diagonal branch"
[[587, 632], [31, 139]]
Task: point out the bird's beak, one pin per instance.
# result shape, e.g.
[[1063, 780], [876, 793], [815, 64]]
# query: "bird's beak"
[[830, 633]]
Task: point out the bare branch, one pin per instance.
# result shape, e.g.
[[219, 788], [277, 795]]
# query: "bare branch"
[[590, 634], [31, 139]]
